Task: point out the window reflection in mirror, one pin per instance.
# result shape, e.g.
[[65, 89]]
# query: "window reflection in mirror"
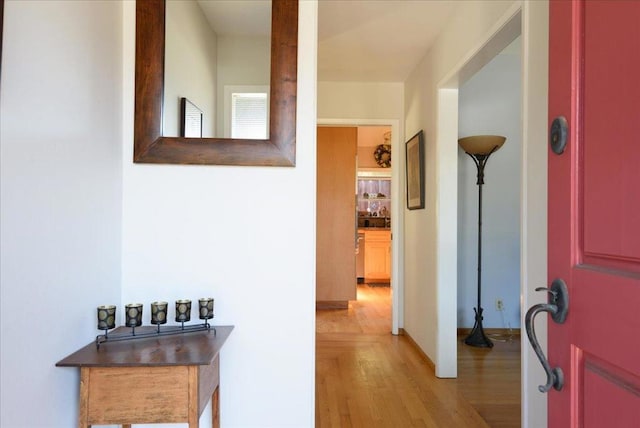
[[217, 55]]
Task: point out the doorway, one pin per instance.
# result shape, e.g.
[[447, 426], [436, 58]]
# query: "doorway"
[[396, 204], [373, 206], [530, 20], [489, 103]]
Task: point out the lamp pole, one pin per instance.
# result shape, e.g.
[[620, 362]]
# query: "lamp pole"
[[477, 337]]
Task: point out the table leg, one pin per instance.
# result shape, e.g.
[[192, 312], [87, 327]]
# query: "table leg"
[[126, 425], [193, 415], [83, 414], [215, 408]]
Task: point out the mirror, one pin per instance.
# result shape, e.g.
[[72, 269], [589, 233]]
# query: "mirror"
[[217, 58], [151, 146]]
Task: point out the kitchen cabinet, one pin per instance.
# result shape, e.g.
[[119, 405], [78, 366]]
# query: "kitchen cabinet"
[[377, 255], [374, 197]]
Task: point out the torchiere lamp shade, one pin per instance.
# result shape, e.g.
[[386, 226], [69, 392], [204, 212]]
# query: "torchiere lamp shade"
[[481, 144]]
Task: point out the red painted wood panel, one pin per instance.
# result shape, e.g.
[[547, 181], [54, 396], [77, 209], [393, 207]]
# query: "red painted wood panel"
[[594, 211], [562, 208], [611, 132], [623, 397]]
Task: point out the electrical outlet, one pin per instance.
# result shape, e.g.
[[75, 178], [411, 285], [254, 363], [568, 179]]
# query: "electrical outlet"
[[499, 305]]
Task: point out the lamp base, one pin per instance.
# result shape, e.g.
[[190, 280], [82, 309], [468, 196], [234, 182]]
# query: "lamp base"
[[477, 337]]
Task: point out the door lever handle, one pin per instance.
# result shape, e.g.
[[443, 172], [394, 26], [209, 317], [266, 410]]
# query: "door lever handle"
[[557, 307]]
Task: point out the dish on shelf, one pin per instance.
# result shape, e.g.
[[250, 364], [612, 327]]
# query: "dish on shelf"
[[374, 195]]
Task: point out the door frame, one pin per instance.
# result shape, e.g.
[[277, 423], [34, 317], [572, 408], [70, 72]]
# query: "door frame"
[[531, 19], [397, 209]]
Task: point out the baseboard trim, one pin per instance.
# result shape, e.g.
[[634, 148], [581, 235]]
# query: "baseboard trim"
[[332, 304], [493, 331], [425, 357]]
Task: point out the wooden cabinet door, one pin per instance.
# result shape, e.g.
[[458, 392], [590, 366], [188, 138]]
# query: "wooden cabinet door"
[[377, 255], [594, 212], [336, 214]]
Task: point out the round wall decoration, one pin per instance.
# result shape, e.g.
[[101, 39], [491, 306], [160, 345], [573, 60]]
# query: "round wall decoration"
[[382, 155]]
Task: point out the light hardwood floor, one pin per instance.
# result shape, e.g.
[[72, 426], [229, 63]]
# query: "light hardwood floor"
[[366, 377]]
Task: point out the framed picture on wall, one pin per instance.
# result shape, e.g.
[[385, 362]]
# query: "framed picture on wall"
[[190, 119], [415, 172]]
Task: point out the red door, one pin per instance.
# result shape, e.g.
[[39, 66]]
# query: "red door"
[[594, 212]]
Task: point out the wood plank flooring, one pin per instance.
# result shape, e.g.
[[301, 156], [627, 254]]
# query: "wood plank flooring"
[[490, 380], [366, 377]]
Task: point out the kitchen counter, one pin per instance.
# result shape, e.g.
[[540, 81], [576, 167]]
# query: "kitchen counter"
[[377, 253], [373, 222]]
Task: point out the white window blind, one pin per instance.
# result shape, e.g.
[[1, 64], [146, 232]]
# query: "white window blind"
[[249, 115]]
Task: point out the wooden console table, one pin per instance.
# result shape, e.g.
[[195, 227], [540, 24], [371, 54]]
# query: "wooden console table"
[[166, 379]]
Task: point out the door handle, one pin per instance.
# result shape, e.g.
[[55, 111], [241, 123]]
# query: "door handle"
[[557, 307]]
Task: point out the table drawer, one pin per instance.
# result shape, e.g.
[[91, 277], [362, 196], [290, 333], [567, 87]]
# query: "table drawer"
[[137, 394]]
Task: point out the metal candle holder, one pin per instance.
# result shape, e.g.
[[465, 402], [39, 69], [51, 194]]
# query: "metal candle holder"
[[106, 320]]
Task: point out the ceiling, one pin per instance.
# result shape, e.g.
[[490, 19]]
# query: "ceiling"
[[376, 40], [237, 17], [358, 40]]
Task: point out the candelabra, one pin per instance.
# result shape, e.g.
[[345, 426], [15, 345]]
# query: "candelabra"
[[159, 310]]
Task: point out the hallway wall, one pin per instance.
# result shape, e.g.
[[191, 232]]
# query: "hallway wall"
[[431, 234], [243, 235], [190, 66], [60, 198], [360, 100]]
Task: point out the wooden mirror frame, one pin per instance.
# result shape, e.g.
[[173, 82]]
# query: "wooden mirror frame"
[[1, 30], [150, 146]]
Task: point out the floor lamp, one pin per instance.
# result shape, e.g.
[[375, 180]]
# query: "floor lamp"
[[479, 148]]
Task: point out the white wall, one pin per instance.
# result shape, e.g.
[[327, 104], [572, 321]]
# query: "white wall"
[[242, 61], [244, 235], [430, 245], [60, 134], [190, 66], [360, 100], [369, 138], [490, 103], [535, 69]]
